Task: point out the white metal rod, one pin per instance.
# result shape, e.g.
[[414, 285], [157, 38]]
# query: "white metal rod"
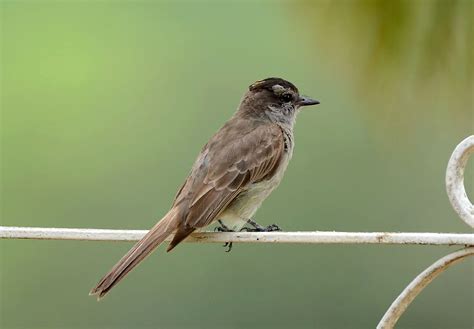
[[399, 306], [316, 237]]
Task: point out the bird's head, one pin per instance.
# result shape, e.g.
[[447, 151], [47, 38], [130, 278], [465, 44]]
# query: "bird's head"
[[276, 98]]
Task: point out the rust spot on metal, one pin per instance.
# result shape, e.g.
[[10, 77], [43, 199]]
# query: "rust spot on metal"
[[381, 238]]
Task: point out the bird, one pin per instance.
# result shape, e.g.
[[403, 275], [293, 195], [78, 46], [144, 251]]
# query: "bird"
[[233, 174]]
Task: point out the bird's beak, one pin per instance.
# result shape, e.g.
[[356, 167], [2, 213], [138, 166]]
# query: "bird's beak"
[[306, 101]]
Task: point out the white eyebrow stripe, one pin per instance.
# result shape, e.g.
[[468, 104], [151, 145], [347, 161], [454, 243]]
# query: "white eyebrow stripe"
[[278, 89]]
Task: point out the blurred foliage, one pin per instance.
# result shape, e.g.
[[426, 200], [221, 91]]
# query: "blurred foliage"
[[105, 104], [405, 50]]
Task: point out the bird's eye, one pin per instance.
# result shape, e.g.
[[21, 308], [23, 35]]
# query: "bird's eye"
[[286, 97]]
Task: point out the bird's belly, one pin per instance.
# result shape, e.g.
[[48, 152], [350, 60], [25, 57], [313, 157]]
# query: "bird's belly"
[[246, 204]]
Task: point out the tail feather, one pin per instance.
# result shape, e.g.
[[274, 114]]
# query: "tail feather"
[[134, 256], [181, 234]]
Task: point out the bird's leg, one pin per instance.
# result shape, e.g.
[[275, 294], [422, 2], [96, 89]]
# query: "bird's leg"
[[224, 228], [259, 228], [228, 245]]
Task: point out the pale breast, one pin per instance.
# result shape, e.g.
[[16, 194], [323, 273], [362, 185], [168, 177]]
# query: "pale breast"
[[248, 201]]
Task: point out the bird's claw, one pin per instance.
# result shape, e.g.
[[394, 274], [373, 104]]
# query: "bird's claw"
[[224, 228], [272, 228], [269, 228], [228, 245]]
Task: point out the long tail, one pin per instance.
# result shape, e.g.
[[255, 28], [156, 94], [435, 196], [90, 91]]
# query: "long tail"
[[140, 250]]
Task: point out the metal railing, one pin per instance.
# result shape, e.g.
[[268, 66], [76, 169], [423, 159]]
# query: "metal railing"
[[456, 193]]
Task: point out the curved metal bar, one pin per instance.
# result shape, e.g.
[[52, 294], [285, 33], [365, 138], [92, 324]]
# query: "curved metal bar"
[[465, 209], [400, 304], [455, 180]]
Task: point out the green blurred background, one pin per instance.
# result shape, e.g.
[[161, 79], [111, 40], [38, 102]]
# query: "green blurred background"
[[105, 104]]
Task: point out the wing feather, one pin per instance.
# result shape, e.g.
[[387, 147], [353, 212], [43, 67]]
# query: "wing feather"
[[234, 158]]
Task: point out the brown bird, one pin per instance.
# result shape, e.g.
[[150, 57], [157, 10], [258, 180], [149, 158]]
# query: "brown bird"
[[236, 170]]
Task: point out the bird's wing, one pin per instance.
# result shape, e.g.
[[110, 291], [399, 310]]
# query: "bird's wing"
[[234, 158]]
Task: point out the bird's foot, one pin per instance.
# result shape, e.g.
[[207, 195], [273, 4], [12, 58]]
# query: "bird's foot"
[[259, 228], [224, 228], [269, 228], [228, 245]]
